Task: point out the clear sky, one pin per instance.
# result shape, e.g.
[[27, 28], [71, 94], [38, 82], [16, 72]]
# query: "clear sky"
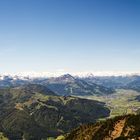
[[74, 35]]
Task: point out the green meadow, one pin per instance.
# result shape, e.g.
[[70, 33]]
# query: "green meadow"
[[120, 103]]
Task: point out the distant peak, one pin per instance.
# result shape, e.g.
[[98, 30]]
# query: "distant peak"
[[67, 76]]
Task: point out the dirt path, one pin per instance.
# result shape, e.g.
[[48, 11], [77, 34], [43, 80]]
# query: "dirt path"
[[118, 128]]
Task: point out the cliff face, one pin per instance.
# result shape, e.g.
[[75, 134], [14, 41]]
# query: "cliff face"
[[119, 128]]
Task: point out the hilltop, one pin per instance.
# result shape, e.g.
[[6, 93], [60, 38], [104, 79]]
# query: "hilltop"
[[119, 128]]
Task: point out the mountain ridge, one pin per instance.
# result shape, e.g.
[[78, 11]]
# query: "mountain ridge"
[[63, 85], [33, 114], [119, 128]]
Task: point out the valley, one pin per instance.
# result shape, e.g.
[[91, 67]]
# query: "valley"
[[122, 102]]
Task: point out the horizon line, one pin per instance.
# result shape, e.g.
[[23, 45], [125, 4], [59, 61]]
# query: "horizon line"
[[80, 74]]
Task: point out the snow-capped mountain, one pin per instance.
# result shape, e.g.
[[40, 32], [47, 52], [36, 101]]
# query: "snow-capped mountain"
[[56, 80], [30, 75]]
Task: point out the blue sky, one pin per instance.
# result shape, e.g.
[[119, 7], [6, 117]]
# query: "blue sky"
[[74, 35]]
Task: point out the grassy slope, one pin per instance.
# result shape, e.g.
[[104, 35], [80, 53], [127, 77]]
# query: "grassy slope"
[[32, 115]]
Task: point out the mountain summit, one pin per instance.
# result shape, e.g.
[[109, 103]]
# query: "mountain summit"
[[69, 85], [67, 78]]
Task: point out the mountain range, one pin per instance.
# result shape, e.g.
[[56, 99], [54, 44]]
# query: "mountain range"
[[76, 85], [63, 85], [34, 112], [42, 107]]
